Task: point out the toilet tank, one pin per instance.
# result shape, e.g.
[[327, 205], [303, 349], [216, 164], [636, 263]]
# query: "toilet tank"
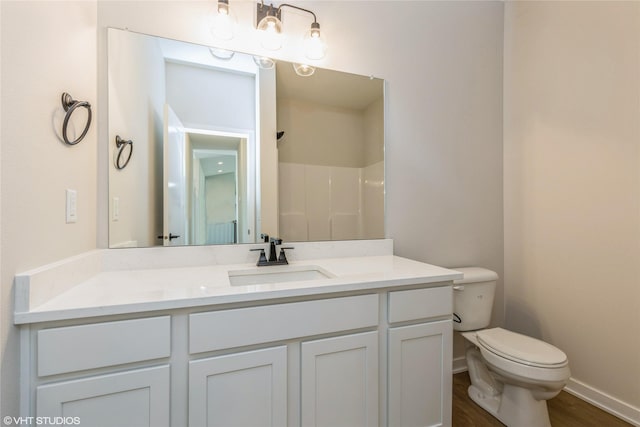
[[473, 298]]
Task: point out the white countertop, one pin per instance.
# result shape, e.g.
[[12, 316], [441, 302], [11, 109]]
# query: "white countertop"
[[131, 291]]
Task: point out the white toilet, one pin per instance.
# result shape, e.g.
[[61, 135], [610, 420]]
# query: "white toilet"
[[512, 375]]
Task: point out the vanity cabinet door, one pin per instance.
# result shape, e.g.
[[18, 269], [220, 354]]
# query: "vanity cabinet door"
[[137, 398], [242, 389], [340, 381], [420, 374]]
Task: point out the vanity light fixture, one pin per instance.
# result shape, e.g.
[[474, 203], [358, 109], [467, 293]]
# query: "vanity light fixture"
[[224, 21], [264, 62], [223, 54], [269, 25], [304, 70], [315, 46]]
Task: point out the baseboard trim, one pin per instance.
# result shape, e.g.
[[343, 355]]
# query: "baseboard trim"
[[604, 401], [459, 365], [597, 398]]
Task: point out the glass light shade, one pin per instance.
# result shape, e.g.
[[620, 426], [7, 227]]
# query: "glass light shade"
[[304, 70], [315, 45], [224, 22], [223, 54], [264, 62], [270, 30]]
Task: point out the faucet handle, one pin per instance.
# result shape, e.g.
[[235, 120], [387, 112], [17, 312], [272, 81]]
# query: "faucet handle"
[[283, 258], [264, 237], [262, 260]]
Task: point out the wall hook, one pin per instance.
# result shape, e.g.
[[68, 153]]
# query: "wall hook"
[[69, 104]]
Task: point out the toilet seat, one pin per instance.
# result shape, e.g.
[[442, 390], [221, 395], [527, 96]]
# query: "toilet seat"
[[521, 348]]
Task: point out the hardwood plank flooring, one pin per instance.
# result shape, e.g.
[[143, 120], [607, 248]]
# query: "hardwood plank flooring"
[[565, 410]]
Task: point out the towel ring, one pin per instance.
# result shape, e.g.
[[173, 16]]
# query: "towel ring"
[[121, 144], [69, 104]]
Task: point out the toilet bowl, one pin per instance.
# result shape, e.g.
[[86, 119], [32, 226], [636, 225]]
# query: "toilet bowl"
[[512, 375]]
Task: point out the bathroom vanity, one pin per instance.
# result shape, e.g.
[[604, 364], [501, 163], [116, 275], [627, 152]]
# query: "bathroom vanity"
[[141, 337]]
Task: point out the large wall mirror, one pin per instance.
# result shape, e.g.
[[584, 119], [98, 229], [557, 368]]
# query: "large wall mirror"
[[225, 148]]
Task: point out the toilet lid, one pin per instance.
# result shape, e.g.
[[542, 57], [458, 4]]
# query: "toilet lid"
[[521, 348]]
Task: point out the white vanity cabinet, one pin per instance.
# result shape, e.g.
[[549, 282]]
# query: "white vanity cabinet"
[[138, 397], [241, 389], [339, 378], [420, 357], [79, 373], [369, 358]]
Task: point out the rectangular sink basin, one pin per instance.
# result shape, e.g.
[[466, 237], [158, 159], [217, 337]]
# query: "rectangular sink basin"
[[277, 274]]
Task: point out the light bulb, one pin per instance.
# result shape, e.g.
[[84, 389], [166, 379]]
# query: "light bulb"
[[223, 26], [223, 54], [315, 47], [304, 70], [264, 62], [270, 30]]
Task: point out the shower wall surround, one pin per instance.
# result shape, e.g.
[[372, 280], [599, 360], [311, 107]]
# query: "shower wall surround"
[[331, 203]]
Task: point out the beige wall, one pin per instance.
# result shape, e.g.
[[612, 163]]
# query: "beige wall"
[[47, 48], [374, 133], [572, 186], [136, 110], [317, 134], [442, 62], [327, 135]]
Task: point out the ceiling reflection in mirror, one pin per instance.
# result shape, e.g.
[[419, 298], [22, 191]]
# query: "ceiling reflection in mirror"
[[225, 151]]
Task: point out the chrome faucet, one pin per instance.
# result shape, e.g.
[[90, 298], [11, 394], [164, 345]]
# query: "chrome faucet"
[[273, 259]]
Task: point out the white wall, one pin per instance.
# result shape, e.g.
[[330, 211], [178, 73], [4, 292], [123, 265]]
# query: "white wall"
[[442, 62], [220, 193], [212, 99], [572, 188], [47, 48], [267, 197]]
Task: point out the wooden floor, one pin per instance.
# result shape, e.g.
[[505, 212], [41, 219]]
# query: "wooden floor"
[[565, 410]]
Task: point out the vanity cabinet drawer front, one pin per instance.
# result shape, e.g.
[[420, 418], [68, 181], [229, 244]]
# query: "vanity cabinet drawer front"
[[98, 345], [418, 304], [255, 325]]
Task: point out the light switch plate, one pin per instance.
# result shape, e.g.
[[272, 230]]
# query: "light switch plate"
[[115, 213], [72, 206]]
